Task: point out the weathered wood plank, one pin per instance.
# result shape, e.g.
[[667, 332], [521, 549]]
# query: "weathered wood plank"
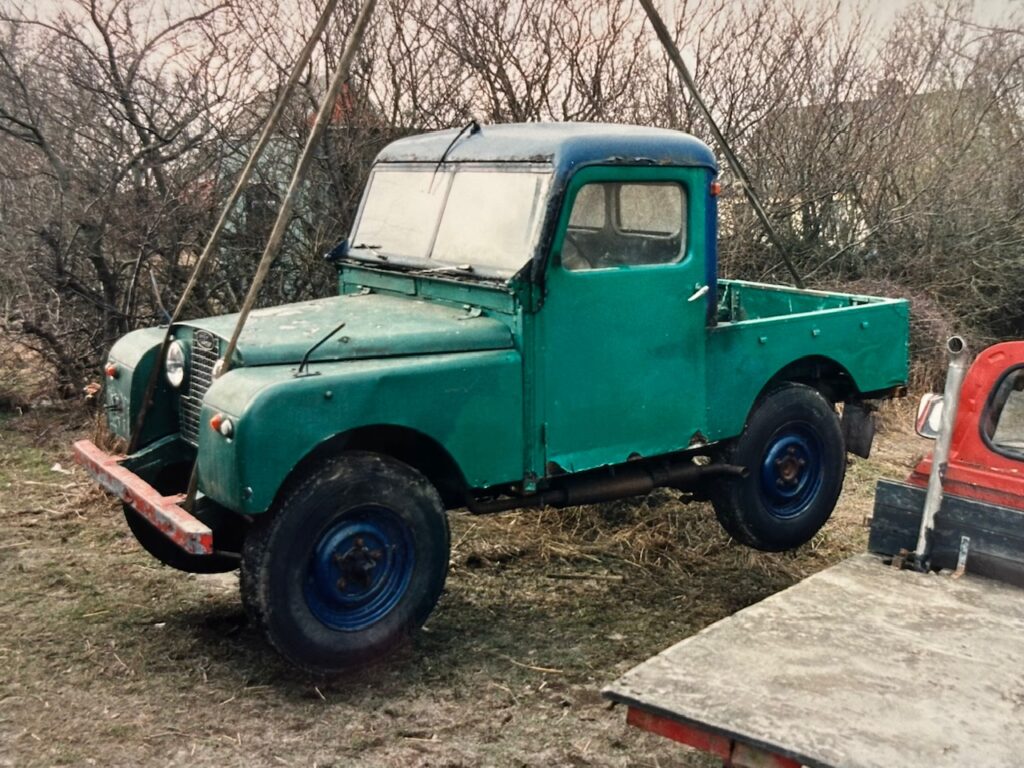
[[861, 666]]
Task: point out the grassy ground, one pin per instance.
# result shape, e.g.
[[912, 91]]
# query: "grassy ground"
[[108, 658]]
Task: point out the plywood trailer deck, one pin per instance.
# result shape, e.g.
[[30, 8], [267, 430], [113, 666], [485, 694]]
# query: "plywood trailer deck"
[[862, 665], [882, 660]]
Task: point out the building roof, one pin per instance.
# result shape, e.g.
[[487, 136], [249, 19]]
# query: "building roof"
[[565, 145]]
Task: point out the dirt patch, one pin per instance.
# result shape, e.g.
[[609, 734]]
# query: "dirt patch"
[[108, 658]]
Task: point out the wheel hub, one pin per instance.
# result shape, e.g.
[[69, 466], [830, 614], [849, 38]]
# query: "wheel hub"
[[359, 569], [789, 467], [791, 471], [357, 564]]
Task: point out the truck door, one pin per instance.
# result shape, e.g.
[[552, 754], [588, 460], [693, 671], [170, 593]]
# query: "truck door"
[[621, 333]]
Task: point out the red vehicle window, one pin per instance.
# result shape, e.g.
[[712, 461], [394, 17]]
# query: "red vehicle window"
[[1003, 422]]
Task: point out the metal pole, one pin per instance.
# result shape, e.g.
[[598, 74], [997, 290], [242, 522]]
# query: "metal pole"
[[269, 127], [734, 162], [284, 213], [958, 359]]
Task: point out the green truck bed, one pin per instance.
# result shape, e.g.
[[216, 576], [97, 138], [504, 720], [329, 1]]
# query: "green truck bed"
[[764, 330]]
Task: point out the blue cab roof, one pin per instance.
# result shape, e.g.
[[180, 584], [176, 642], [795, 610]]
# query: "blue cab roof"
[[564, 145]]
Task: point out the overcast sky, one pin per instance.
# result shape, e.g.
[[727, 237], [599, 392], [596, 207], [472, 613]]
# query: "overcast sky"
[[986, 11]]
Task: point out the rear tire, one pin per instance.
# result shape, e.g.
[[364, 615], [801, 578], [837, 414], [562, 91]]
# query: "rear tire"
[[349, 564], [793, 447]]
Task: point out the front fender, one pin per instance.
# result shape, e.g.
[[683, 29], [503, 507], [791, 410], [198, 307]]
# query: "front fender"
[[135, 355], [470, 403]]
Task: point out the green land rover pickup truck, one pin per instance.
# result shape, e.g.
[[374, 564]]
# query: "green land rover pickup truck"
[[526, 315]]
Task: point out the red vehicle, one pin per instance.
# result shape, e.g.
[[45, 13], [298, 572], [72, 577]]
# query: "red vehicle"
[[986, 459], [982, 480]]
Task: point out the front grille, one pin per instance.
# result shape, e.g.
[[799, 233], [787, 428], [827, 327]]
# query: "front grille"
[[201, 360]]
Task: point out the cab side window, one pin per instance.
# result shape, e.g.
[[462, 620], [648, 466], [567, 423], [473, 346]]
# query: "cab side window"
[[616, 224], [1004, 418]]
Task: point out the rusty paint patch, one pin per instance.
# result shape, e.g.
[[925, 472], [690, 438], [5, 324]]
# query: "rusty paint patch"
[[733, 753], [164, 512]]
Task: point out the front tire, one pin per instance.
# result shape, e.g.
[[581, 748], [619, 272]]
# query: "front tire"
[[152, 540], [793, 448], [349, 564]]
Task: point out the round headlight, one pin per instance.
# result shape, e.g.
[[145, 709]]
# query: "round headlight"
[[174, 365]]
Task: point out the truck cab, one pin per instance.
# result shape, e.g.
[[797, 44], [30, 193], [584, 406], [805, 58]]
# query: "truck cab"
[[526, 314]]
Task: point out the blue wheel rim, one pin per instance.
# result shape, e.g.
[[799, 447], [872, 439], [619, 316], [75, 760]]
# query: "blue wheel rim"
[[791, 471], [360, 568]]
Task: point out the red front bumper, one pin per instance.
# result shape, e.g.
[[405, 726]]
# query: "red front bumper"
[[165, 512]]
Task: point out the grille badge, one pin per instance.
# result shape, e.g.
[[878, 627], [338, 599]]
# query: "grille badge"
[[204, 340]]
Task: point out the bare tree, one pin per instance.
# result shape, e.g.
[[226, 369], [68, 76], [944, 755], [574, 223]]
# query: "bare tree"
[[890, 158]]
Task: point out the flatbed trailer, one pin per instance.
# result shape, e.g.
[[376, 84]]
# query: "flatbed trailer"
[[862, 664], [881, 660]]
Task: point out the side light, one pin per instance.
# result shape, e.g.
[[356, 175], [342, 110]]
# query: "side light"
[[111, 370], [716, 188], [221, 423]]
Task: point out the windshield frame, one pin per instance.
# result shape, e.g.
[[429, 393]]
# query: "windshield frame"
[[429, 265]]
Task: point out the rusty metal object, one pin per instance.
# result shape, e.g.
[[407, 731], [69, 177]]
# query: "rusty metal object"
[[733, 753], [631, 479], [164, 512]]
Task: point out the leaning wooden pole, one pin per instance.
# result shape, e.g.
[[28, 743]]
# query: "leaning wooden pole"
[[269, 126], [284, 213], [734, 162]]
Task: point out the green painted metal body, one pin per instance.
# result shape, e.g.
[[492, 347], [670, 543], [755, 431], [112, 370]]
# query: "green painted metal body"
[[135, 355], [516, 380]]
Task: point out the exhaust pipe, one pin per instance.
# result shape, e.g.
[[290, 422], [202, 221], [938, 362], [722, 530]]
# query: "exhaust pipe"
[[631, 479], [958, 360]]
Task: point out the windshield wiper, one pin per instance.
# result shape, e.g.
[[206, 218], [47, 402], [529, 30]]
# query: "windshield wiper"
[[473, 127], [303, 369], [371, 248], [463, 268], [342, 249]]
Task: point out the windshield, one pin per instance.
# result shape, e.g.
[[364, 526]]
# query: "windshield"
[[469, 217]]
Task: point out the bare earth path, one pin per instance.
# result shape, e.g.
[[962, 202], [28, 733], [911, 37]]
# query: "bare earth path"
[[108, 658]]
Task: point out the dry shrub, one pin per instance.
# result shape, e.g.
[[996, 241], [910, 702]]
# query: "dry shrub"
[[27, 378]]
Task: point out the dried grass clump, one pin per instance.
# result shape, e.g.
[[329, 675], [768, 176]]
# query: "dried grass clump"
[[660, 537]]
